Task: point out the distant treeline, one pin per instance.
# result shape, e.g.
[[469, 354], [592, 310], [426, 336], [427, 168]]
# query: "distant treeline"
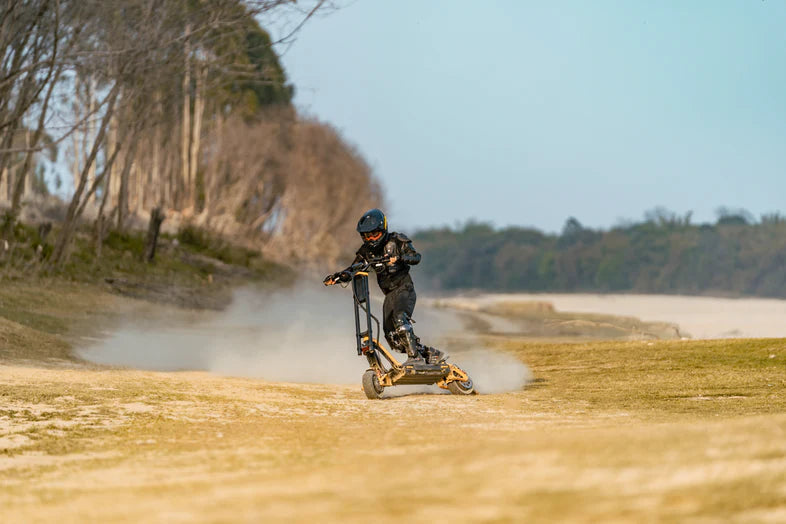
[[665, 253]]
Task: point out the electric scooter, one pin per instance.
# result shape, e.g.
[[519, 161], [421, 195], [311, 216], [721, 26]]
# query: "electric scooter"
[[384, 370]]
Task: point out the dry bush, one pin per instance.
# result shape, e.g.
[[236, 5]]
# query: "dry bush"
[[291, 186]]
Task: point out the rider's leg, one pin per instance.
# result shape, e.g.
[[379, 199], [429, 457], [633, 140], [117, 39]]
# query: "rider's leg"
[[401, 306], [397, 314], [397, 310], [388, 325], [407, 337]]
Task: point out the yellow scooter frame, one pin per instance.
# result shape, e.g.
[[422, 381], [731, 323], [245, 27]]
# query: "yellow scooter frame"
[[383, 374]]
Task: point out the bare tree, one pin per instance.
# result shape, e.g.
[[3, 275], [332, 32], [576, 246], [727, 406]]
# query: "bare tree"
[[173, 116], [291, 186], [28, 47], [69, 225], [22, 182]]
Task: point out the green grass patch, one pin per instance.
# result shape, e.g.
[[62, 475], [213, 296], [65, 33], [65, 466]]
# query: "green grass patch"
[[698, 377]]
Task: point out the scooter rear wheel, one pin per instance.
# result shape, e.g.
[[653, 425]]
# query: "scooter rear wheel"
[[462, 388], [371, 386]]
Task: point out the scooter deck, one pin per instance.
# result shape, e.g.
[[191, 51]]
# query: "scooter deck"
[[423, 373]]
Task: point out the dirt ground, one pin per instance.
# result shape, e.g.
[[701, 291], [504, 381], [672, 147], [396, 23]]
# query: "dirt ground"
[[645, 431], [609, 431]]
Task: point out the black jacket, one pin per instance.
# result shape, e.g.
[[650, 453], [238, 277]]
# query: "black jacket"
[[395, 245]]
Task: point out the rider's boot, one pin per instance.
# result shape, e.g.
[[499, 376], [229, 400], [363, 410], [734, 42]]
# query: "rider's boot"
[[430, 355], [394, 342], [410, 343], [434, 356], [412, 352]]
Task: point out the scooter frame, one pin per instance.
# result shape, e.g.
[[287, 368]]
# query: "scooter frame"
[[393, 372]]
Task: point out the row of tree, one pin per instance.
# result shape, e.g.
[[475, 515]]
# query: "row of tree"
[[665, 253], [180, 105]]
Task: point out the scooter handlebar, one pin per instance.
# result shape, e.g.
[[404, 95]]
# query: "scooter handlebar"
[[378, 261], [346, 275], [341, 276]]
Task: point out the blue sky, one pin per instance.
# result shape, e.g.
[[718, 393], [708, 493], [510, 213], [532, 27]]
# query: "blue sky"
[[526, 113]]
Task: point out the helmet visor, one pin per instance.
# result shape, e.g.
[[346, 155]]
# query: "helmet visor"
[[372, 236]]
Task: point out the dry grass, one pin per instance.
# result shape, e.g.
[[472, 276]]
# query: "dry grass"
[[37, 319], [613, 431], [41, 319]]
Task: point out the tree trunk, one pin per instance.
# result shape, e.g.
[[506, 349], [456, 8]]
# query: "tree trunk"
[[156, 184], [4, 185], [165, 162], [100, 222], [90, 130], [122, 199], [5, 157], [111, 145], [199, 107], [25, 175], [94, 186], [186, 125], [113, 187], [211, 173], [138, 174], [76, 165]]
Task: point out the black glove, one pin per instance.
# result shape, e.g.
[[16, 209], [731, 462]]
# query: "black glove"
[[341, 276]]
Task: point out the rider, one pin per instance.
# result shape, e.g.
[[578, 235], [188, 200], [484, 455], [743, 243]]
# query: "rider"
[[398, 254]]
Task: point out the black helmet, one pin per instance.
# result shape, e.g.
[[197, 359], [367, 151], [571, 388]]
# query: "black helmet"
[[373, 227]]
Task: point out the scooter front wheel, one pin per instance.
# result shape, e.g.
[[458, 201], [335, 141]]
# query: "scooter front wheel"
[[462, 388], [371, 386]]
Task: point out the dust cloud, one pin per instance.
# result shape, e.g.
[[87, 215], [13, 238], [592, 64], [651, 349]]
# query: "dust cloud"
[[303, 335]]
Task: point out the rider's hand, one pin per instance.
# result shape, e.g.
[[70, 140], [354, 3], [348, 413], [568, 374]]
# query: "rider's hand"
[[392, 260], [335, 278]]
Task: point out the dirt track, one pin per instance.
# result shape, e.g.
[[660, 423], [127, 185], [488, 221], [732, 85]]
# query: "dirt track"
[[606, 431], [646, 435]]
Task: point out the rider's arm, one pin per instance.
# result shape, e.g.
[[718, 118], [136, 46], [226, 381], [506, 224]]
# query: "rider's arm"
[[358, 259], [408, 255], [345, 275]]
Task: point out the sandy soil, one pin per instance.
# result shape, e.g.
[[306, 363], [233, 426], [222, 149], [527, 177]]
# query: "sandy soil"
[[700, 317], [622, 431], [133, 446]]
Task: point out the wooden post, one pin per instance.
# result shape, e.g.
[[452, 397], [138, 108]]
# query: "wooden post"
[[153, 229]]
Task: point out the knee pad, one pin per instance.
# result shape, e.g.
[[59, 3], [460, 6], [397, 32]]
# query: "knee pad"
[[396, 341], [391, 337], [403, 336]]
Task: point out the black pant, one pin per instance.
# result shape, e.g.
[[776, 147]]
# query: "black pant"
[[399, 305]]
